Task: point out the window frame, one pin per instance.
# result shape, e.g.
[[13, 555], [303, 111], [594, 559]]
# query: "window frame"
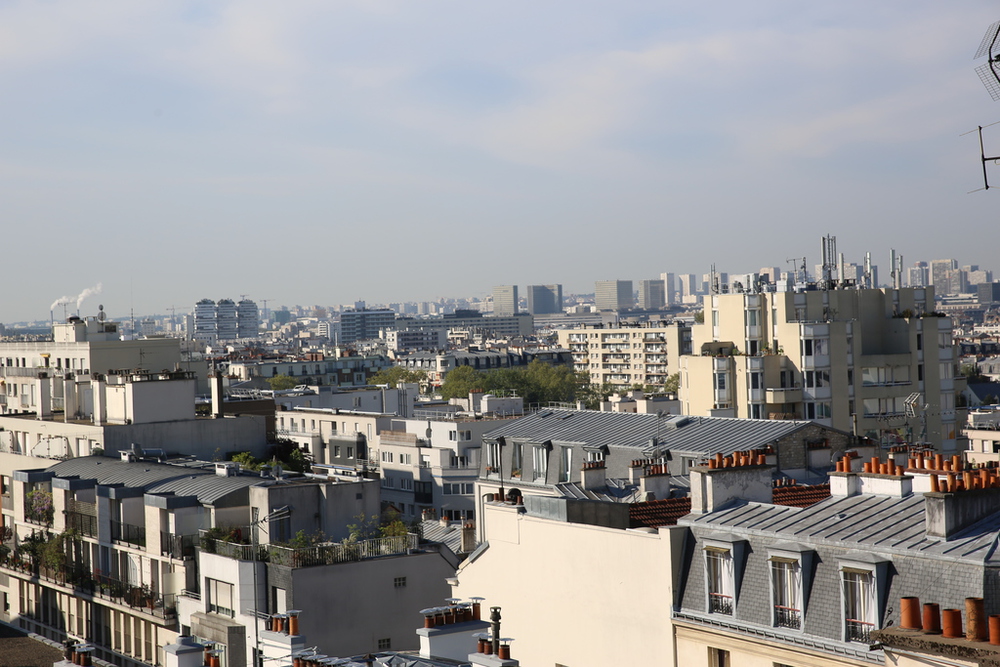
[[788, 610], [858, 629]]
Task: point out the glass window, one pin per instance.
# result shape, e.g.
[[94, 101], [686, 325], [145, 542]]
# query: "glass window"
[[719, 572], [786, 587], [220, 597], [859, 605], [565, 464], [540, 460]]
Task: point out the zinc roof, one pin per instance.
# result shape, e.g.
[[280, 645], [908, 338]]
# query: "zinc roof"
[[154, 477], [869, 523], [705, 435]]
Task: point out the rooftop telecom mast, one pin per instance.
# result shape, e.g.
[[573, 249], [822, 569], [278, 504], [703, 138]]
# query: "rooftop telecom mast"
[[989, 74]]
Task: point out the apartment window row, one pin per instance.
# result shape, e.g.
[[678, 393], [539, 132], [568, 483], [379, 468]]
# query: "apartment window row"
[[858, 588], [459, 488]]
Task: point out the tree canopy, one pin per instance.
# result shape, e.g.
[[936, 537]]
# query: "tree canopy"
[[537, 382], [396, 375], [282, 382]]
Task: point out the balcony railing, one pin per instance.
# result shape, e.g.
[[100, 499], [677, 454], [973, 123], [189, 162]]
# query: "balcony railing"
[[720, 604], [787, 617], [859, 631], [128, 533], [177, 546], [321, 554], [84, 524]]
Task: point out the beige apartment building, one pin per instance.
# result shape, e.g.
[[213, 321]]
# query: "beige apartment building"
[[643, 354], [876, 362]]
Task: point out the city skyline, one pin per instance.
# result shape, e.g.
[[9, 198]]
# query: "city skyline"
[[386, 150]]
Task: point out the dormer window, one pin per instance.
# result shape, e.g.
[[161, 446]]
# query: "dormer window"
[[721, 579], [862, 585], [786, 592]]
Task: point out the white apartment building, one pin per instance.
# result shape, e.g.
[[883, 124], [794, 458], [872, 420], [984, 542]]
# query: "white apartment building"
[[876, 362], [645, 354]]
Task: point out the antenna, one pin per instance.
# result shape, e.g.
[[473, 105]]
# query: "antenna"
[[982, 155], [795, 268], [989, 72]]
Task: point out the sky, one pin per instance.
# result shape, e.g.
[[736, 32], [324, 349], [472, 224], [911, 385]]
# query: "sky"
[[401, 150]]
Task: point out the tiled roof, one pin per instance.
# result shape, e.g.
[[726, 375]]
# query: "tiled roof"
[[656, 513], [800, 495]]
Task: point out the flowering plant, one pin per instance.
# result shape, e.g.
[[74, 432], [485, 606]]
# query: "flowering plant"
[[39, 507]]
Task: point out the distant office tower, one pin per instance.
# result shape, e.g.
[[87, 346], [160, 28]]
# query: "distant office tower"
[[989, 293], [613, 294], [544, 299], [689, 284], [652, 294], [978, 277], [225, 320], [358, 325], [670, 283], [772, 273], [940, 277], [505, 300], [916, 275], [721, 279]]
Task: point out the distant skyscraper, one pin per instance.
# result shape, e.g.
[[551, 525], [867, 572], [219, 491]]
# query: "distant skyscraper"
[[505, 300], [544, 299], [652, 294], [940, 277], [689, 284], [225, 320], [670, 282], [917, 275], [613, 294], [358, 325]]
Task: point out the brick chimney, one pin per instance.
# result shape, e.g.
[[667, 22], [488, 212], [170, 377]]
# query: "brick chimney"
[[742, 476]]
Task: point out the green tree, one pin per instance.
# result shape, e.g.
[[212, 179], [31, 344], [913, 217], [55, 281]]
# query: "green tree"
[[396, 375], [460, 381], [247, 461], [592, 394], [699, 317], [282, 382], [972, 374], [551, 384], [672, 384]]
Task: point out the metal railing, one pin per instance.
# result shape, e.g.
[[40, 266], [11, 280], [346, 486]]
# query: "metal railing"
[[787, 617], [128, 533], [720, 604], [320, 554], [177, 546], [84, 524], [858, 631]]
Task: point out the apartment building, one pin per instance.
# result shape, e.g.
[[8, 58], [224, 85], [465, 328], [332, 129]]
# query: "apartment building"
[[364, 324], [767, 584], [520, 324], [225, 320], [644, 354], [338, 367], [652, 294], [876, 362], [430, 465]]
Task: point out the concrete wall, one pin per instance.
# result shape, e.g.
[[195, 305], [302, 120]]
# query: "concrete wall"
[[560, 584]]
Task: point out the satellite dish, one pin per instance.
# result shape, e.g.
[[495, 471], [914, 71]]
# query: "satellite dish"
[[100, 313]]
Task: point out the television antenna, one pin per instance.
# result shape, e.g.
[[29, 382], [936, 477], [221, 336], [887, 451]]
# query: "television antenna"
[[982, 155], [989, 72]]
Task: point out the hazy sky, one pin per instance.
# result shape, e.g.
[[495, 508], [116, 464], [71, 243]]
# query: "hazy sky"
[[322, 152]]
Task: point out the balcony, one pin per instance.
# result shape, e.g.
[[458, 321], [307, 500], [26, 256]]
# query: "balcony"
[[177, 546], [127, 533], [720, 604], [784, 395], [321, 554], [84, 524], [858, 631], [787, 617]]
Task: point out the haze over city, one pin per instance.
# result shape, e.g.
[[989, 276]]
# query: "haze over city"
[[392, 151]]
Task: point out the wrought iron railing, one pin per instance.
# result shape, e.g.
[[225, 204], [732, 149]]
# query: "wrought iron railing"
[[82, 523], [320, 554], [720, 604], [787, 617], [859, 631]]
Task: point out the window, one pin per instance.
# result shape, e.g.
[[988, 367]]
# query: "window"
[[385, 644], [565, 464], [859, 604], [388, 483], [755, 382], [786, 592], [457, 488], [399, 582], [718, 657], [386, 457], [719, 572], [406, 483], [493, 457], [540, 461], [336, 451], [220, 597], [720, 381], [350, 452]]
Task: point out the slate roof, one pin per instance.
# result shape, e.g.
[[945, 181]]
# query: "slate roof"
[[450, 535], [869, 523], [700, 435], [614, 491], [154, 477]]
